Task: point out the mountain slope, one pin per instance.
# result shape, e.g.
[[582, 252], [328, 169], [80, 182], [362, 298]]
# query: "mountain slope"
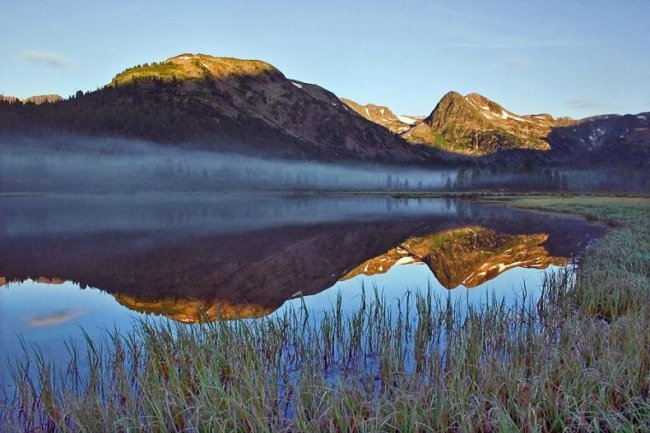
[[475, 125], [249, 106], [604, 139], [382, 116], [223, 103], [36, 99]]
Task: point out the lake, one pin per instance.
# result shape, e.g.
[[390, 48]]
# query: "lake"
[[72, 262]]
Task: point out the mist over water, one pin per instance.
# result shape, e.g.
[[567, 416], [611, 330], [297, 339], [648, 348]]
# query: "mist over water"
[[114, 165], [199, 213], [95, 232], [127, 230]]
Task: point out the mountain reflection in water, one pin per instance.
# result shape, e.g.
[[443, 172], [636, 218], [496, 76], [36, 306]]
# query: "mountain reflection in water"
[[467, 255], [244, 257]]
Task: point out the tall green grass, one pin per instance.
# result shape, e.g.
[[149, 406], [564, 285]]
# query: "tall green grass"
[[577, 359]]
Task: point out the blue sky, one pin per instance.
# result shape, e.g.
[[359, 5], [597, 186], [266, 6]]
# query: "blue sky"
[[563, 57]]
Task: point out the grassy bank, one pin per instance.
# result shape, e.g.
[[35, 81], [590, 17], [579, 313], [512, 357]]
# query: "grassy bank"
[[483, 195], [577, 360], [615, 277]]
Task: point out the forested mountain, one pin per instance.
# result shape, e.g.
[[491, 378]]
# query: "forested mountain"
[[249, 106], [219, 103]]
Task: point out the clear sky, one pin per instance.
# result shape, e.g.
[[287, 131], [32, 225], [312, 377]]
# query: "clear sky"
[[565, 57]]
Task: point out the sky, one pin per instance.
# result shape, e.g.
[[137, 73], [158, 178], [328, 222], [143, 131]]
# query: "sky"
[[564, 57]]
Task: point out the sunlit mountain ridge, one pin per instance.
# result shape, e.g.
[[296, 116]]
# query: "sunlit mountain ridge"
[[249, 106]]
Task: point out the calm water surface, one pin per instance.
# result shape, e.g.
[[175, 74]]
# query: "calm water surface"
[[95, 262]]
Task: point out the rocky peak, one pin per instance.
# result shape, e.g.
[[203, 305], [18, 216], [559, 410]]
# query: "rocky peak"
[[43, 99], [200, 65], [489, 109], [474, 124], [451, 96], [382, 115], [36, 99], [451, 102]]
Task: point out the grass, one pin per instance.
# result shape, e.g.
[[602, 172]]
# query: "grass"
[[196, 69], [577, 360], [540, 198], [617, 211], [163, 71], [620, 265]]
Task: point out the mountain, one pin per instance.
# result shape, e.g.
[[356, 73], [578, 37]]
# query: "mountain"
[[224, 103], [383, 116], [249, 106], [475, 125], [43, 99], [8, 99], [467, 256], [37, 99], [608, 138]]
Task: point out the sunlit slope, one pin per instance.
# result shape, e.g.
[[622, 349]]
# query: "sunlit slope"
[[197, 66], [383, 116], [473, 126]]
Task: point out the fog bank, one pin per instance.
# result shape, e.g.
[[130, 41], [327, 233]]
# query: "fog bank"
[[115, 165]]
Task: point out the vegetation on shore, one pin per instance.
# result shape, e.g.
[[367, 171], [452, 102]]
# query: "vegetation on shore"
[[614, 279], [576, 360]]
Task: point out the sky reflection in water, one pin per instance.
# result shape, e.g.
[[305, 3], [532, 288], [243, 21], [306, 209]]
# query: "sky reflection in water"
[[247, 258]]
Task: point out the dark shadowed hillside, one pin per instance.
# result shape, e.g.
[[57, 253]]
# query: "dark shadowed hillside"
[[223, 103]]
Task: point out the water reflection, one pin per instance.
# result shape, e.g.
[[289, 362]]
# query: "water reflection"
[[467, 256], [197, 258], [91, 262], [54, 318]]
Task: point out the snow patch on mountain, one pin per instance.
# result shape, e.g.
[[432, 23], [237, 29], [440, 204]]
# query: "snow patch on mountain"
[[406, 119]]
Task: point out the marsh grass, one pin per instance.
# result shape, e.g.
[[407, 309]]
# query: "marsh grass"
[[575, 359]]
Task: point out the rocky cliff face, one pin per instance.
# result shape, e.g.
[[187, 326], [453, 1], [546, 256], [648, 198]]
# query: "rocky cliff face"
[[467, 256]]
